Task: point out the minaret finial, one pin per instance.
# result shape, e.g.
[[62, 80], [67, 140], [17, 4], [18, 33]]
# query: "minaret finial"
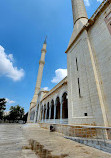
[[45, 42]]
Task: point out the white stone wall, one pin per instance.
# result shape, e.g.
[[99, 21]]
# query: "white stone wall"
[[100, 39], [78, 106], [89, 102]]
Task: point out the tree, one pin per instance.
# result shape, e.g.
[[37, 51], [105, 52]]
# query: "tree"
[[2, 107], [6, 117], [16, 113]]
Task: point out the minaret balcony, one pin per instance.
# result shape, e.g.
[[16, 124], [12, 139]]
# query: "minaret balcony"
[[43, 50], [41, 62]]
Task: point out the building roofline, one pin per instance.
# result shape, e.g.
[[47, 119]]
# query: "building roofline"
[[64, 81], [99, 9]]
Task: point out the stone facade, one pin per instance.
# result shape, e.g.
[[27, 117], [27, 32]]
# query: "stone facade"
[[83, 97], [89, 72], [101, 50]]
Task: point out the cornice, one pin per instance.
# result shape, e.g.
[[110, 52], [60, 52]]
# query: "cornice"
[[59, 85]]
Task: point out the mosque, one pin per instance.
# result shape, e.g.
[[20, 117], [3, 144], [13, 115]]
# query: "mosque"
[[84, 96]]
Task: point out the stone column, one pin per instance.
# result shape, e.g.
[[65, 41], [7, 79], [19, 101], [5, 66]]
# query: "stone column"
[[54, 111], [61, 103], [38, 116], [41, 111], [49, 111], [46, 113], [35, 118], [36, 113], [43, 114]]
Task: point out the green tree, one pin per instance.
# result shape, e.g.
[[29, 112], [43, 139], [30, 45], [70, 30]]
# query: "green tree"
[[6, 117], [16, 113], [2, 107]]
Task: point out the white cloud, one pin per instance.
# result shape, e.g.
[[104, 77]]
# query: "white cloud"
[[10, 57], [59, 75], [7, 68], [46, 88], [10, 101], [100, 1], [87, 3]]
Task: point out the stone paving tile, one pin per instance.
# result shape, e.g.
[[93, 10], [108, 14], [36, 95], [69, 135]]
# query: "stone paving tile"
[[55, 142], [12, 141], [13, 137]]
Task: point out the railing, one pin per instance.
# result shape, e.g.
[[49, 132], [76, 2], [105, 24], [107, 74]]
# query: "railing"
[[55, 121], [94, 136]]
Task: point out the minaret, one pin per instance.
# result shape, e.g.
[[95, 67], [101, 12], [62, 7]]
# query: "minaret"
[[39, 78], [79, 18], [79, 10]]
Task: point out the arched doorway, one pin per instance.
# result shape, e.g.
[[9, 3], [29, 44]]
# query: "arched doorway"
[[64, 106], [52, 109], [57, 108], [47, 117]]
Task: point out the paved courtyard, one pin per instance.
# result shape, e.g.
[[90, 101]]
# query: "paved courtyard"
[[14, 143]]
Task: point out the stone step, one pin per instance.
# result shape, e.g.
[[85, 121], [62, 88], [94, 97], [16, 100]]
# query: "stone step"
[[106, 149], [98, 144]]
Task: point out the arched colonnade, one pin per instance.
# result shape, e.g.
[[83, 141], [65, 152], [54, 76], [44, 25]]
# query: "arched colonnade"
[[54, 110]]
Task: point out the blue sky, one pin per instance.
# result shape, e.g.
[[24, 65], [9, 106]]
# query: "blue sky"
[[23, 27]]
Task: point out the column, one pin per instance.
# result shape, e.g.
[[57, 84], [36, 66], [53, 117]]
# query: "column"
[[61, 103], [43, 114], [36, 115], [35, 118], [46, 113], [54, 111], [49, 111], [39, 110]]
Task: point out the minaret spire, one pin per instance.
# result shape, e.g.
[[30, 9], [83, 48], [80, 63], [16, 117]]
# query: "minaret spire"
[[79, 10], [39, 78], [45, 42]]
